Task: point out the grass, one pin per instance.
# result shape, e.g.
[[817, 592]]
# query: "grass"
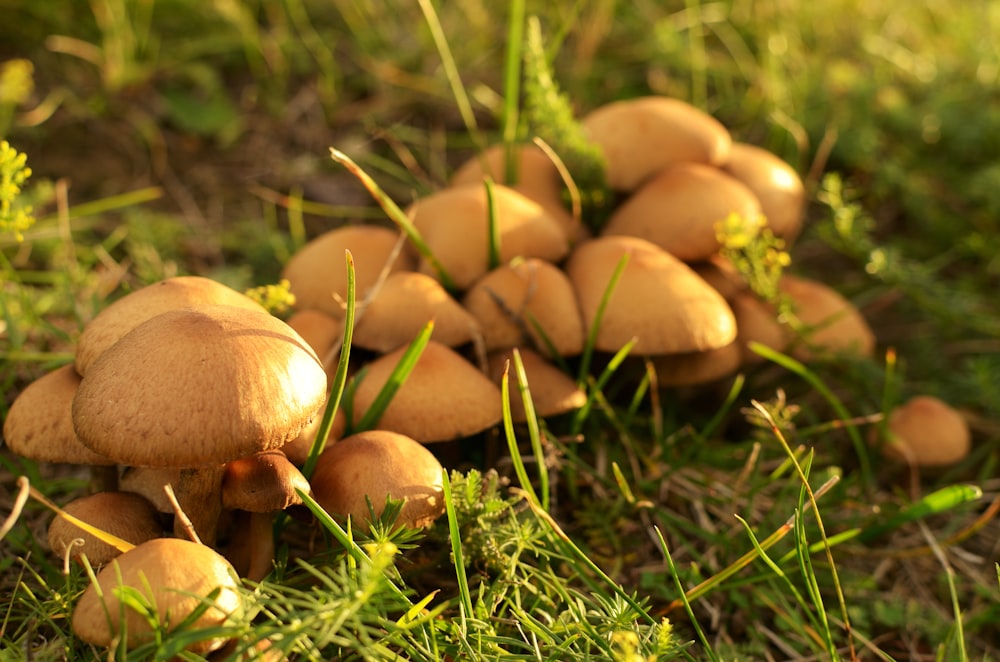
[[748, 522]]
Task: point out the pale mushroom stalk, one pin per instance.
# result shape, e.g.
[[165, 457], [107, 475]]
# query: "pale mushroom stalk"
[[199, 494]]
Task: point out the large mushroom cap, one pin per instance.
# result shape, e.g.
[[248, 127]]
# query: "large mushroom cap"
[[658, 299], [454, 223], [131, 310], [379, 464], [640, 137], [526, 301], [443, 398], [39, 425], [197, 386], [176, 576], [679, 207], [317, 273]]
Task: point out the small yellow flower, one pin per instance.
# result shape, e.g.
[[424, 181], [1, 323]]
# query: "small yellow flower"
[[14, 217], [276, 298]]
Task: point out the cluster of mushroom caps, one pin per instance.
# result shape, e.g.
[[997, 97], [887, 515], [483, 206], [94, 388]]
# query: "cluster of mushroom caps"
[[186, 393]]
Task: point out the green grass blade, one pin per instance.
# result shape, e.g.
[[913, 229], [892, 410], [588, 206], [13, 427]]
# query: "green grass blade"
[[493, 225], [339, 378], [589, 346], [534, 432], [515, 453], [684, 599], [402, 370], [596, 387], [512, 89], [455, 536]]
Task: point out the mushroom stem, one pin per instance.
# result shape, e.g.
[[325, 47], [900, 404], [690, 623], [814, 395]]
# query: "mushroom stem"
[[261, 546], [199, 494]]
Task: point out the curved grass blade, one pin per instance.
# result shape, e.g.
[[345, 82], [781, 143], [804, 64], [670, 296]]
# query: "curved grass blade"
[[590, 345], [402, 370]]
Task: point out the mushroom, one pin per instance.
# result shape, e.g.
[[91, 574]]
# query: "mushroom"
[[537, 178], [379, 464], [642, 136], [195, 388], [177, 577], [553, 392], [832, 324], [926, 432], [454, 223], [690, 368], [125, 314], [774, 183], [527, 301], [318, 277], [658, 299], [261, 484], [678, 209], [39, 426], [123, 514], [443, 398], [404, 303]]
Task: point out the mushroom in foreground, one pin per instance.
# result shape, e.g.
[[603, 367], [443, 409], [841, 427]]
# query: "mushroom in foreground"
[[176, 577], [378, 464], [199, 387], [125, 515]]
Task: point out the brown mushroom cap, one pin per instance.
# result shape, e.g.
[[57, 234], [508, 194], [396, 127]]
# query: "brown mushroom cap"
[[197, 386], [775, 184], [515, 300], [692, 368], [297, 450], [123, 514], [379, 464], [658, 299], [454, 223], [553, 392], [537, 178], [403, 305], [642, 136], [443, 398], [317, 272], [174, 575], [131, 310], [320, 330], [679, 207], [39, 424], [927, 432], [834, 325]]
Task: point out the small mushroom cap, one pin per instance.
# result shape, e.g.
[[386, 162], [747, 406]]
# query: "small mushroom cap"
[[39, 424], [927, 432], [454, 223], [523, 301], [403, 305], [776, 185], [443, 398], [174, 575], [198, 386], [537, 178], [722, 275], [262, 483], [379, 464], [834, 325], [679, 207], [123, 514], [642, 136], [317, 272], [131, 310], [658, 299], [553, 392]]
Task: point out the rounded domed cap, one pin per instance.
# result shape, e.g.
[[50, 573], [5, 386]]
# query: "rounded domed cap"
[[527, 301], [174, 575], [454, 223], [927, 432], [403, 305], [39, 424], [198, 386], [658, 299], [131, 310], [128, 516], [317, 272], [833, 324], [641, 136], [379, 464], [262, 483], [553, 392], [443, 398], [776, 185], [679, 208]]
